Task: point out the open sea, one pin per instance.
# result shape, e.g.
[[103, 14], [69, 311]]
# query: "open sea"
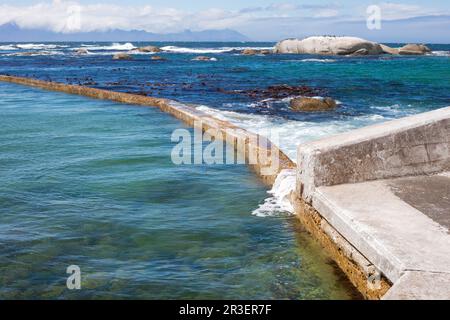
[[91, 183]]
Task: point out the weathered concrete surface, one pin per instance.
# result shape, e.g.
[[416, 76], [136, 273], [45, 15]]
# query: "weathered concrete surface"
[[417, 285], [414, 145], [325, 45], [386, 190], [357, 268], [428, 194], [262, 156], [391, 234]]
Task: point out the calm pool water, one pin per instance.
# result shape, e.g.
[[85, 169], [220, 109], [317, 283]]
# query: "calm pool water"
[[91, 183]]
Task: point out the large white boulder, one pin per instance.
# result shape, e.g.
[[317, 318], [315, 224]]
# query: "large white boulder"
[[326, 45]]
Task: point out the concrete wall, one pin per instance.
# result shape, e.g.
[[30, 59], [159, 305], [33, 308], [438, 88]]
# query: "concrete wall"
[[266, 159], [414, 145]]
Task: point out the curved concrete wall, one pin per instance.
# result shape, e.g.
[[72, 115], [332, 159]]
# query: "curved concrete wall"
[[414, 145]]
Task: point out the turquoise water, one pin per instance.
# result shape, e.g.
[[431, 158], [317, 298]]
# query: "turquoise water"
[[91, 183], [370, 89]]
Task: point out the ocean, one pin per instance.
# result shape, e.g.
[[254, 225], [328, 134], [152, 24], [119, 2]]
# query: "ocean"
[[91, 183]]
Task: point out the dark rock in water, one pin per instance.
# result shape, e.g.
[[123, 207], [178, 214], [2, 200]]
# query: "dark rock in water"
[[252, 52], [276, 92], [312, 104], [81, 51], [204, 58], [149, 49], [414, 49], [158, 58], [122, 56]]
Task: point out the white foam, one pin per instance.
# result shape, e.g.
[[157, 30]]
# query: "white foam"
[[34, 54], [279, 202], [176, 49], [288, 134], [8, 47], [115, 46], [316, 60], [41, 46], [441, 53]]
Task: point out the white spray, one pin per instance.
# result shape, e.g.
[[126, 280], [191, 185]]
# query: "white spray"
[[279, 203]]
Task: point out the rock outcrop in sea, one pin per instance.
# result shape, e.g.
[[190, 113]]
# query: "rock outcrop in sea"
[[122, 56], [252, 52], [158, 58], [204, 58], [329, 45], [312, 104], [149, 49]]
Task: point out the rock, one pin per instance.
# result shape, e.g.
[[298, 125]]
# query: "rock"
[[389, 50], [312, 104], [122, 56], [204, 58], [326, 45], [252, 52], [82, 51], [149, 49], [414, 49], [158, 58], [360, 52], [249, 52], [265, 52]]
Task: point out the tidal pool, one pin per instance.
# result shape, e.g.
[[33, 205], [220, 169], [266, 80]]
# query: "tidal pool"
[[91, 183]]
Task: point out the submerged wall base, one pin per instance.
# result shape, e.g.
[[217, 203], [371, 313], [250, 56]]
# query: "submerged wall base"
[[361, 273]]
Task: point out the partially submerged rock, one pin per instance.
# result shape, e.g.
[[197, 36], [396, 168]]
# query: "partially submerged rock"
[[122, 56], [158, 58], [252, 52], [414, 49], [275, 92], [146, 49], [388, 50], [82, 51], [312, 104], [204, 58], [329, 46]]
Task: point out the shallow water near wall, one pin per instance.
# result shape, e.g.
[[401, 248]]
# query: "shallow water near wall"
[[91, 183]]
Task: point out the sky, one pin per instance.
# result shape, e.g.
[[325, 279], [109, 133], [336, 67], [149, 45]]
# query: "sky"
[[260, 20]]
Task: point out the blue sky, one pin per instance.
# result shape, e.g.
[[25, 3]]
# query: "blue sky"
[[402, 20]]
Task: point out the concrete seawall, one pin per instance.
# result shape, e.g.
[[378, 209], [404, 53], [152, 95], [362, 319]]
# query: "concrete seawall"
[[266, 159], [356, 193]]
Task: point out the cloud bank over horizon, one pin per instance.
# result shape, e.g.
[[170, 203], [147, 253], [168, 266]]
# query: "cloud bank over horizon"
[[400, 21]]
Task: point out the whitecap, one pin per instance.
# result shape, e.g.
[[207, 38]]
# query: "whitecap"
[[8, 47], [279, 202], [115, 46], [176, 49], [441, 53], [318, 60], [33, 46]]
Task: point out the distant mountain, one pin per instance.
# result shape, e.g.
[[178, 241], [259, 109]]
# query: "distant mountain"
[[12, 33]]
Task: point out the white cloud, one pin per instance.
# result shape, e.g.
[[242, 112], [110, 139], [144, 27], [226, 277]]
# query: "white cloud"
[[281, 17], [394, 11], [102, 16]]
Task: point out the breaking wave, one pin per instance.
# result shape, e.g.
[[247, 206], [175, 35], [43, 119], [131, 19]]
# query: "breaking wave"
[[279, 202], [176, 49], [115, 46]]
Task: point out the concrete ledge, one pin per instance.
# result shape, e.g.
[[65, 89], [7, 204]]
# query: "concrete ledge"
[[357, 268], [416, 285], [414, 145]]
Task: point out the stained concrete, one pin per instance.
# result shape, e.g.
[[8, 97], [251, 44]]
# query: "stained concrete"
[[386, 190], [262, 156], [409, 146], [428, 194]]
